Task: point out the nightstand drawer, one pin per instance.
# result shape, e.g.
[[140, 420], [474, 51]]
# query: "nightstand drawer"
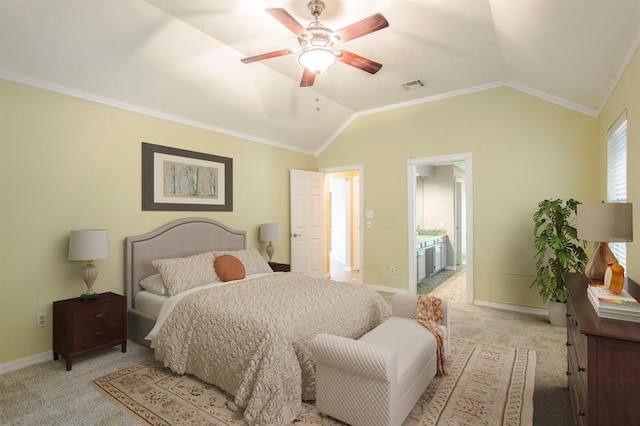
[[93, 337], [93, 316]]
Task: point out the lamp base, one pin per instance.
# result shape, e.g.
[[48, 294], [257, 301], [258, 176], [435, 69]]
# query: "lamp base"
[[599, 262], [270, 250], [89, 296], [89, 274]]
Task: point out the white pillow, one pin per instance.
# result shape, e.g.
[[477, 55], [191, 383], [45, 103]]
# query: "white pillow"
[[250, 258], [184, 273], [154, 284]]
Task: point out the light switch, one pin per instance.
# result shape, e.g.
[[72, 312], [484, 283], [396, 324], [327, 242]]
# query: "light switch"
[[369, 224], [369, 214]]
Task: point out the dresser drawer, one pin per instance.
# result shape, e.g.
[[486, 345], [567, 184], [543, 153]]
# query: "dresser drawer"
[[93, 316], [577, 343], [578, 391], [94, 337]]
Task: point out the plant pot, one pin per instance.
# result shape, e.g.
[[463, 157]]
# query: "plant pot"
[[557, 314]]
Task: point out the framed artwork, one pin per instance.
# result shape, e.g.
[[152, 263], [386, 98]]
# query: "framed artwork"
[[180, 180]]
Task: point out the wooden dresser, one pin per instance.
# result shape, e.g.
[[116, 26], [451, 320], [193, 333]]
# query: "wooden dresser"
[[603, 361], [84, 326]]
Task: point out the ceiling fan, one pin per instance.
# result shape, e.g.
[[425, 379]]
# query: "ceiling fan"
[[317, 42]]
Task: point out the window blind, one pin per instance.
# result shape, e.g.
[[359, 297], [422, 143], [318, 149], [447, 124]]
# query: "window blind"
[[617, 175]]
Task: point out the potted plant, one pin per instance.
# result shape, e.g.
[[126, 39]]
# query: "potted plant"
[[558, 250]]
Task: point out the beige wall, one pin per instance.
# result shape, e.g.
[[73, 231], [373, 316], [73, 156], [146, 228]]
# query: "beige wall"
[[71, 164], [524, 150], [625, 96]]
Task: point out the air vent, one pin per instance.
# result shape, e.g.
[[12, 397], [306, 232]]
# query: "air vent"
[[412, 85]]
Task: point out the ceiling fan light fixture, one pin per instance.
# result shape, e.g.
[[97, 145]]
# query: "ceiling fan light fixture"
[[317, 41], [317, 59]]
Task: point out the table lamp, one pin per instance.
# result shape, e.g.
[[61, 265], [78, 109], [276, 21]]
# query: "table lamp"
[[89, 245], [270, 232], [604, 223]]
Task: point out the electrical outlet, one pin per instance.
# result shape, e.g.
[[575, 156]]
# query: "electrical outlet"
[[392, 269], [41, 319]]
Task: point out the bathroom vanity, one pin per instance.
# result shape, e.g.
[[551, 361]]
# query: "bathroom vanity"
[[431, 254]]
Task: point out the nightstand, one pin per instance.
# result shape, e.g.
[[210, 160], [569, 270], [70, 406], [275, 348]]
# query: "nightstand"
[[85, 326], [280, 267]]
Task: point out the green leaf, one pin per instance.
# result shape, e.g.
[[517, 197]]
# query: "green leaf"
[[558, 249]]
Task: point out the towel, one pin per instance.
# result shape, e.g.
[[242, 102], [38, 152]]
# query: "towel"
[[430, 315]]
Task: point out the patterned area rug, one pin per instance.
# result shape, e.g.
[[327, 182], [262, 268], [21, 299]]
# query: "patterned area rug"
[[486, 385]]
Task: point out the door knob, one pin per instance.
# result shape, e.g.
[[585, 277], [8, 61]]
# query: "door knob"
[[296, 235]]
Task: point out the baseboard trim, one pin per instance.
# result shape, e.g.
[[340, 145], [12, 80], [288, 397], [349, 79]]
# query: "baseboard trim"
[[388, 289], [25, 362], [516, 308]]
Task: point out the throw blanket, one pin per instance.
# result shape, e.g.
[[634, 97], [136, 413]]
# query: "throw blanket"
[[251, 338], [430, 315]]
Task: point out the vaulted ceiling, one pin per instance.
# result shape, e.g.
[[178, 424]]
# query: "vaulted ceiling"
[[180, 59]]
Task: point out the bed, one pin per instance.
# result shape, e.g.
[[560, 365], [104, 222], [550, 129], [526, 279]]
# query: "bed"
[[249, 337]]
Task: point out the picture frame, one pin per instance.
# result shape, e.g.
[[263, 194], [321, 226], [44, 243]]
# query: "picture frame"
[[180, 180]]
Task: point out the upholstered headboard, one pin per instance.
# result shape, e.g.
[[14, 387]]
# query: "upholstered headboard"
[[182, 237]]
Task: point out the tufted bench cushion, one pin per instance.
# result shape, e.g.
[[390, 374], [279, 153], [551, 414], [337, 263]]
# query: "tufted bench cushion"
[[377, 379]]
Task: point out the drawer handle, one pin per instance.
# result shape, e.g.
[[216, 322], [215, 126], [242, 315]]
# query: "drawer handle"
[[568, 373], [568, 315], [575, 323], [97, 333], [581, 369], [581, 413], [568, 343], [99, 315]]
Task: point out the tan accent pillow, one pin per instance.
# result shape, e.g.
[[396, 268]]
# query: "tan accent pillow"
[[250, 258], [229, 268], [184, 273]]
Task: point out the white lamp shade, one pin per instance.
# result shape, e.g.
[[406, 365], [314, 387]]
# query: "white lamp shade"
[[605, 222], [88, 244], [270, 232]]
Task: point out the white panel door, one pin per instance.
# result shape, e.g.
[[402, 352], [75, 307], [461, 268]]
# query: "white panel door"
[[307, 223]]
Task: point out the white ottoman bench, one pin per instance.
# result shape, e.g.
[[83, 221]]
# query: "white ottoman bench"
[[377, 379]]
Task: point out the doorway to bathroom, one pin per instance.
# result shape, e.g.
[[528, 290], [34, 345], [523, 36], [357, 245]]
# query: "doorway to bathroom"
[[440, 221]]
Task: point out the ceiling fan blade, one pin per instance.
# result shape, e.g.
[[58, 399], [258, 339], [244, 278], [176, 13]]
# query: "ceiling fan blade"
[[268, 55], [363, 27], [358, 61], [287, 20], [308, 78]]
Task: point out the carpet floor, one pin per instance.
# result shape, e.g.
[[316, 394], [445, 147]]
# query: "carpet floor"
[[47, 394], [551, 400], [485, 385]]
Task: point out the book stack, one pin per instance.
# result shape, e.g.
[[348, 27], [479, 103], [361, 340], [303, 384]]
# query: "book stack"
[[614, 306]]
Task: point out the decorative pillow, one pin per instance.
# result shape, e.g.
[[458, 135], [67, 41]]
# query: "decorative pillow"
[[250, 258], [154, 284], [184, 273], [229, 268]]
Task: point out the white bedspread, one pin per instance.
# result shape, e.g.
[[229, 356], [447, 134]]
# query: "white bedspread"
[[250, 338], [171, 303]]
